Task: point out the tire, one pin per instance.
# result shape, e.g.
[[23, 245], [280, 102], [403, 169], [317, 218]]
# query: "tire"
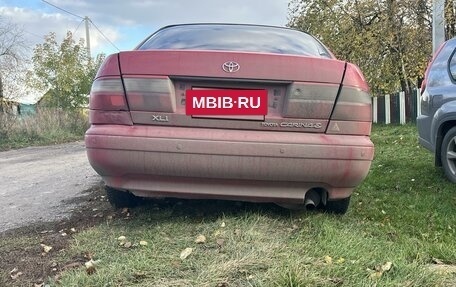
[[120, 199], [448, 154], [339, 206]]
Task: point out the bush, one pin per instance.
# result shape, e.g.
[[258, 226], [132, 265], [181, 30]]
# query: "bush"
[[6, 125], [47, 126]]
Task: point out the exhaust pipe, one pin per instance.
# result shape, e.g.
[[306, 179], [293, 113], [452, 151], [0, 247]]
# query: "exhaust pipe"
[[312, 199]]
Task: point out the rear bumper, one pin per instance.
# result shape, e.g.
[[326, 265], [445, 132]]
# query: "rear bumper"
[[232, 164], [423, 124]]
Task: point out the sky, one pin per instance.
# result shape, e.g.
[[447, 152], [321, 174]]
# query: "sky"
[[127, 23]]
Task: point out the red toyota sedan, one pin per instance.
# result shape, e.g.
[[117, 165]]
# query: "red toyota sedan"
[[228, 111]]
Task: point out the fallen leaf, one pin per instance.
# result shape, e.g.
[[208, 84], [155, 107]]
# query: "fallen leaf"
[[91, 266], [121, 238], [63, 234], [38, 284], [91, 263], [220, 242], [73, 229], [143, 243], [200, 239], [328, 259], [15, 273], [387, 266], [340, 260], [185, 253], [127, 244], [376, 275], [124, 210], [15, 276], [223, 224], [46, 248], [379, 270]]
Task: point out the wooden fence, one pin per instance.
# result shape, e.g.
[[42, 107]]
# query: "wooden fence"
[[398, 108]]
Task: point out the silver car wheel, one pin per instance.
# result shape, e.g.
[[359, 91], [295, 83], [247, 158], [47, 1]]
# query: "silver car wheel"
[[451, 155], [448, 154]]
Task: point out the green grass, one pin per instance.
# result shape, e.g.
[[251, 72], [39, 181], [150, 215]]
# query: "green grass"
[[48, 126], [403, 213]]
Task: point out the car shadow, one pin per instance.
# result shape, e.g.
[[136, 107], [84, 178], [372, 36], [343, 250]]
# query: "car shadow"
[[208, 209]]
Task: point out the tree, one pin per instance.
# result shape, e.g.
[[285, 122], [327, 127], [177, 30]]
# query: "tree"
[[12, 49], [390, 40], [64, 72], [450, 19]]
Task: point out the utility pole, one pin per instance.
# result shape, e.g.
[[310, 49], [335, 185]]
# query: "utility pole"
[[86, 20], [438, 24]]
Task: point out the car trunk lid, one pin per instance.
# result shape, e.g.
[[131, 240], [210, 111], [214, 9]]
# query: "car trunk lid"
[[301, 90]]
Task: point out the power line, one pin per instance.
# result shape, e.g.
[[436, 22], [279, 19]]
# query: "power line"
[[102, 34], [82, 18], [66, 11]]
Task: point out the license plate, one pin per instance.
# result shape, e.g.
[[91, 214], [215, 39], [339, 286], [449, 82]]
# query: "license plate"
[[225, 102]]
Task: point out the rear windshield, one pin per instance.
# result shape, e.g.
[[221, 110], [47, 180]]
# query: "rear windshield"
[[439, 73], [235, 38]]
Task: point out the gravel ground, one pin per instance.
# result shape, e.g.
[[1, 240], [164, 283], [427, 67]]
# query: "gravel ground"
[[38, 184]]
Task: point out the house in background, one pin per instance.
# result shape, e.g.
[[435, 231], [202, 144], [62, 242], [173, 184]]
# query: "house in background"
[[15, 108], [27, 109]]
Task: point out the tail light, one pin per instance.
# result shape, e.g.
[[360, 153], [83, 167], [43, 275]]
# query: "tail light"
[[310, 100], [428, 68], [108, 104], [155, 94], [108, 94], [352, 112]]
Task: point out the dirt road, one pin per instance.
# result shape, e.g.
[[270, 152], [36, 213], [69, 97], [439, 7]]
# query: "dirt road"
[[38, 183]]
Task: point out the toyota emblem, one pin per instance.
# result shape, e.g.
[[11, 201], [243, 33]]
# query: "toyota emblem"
[[231, 67]]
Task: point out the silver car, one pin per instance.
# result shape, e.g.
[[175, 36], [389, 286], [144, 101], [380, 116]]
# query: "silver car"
[[437, 124]]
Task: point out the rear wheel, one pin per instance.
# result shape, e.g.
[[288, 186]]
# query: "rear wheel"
[[339, 206], [119, 198], [448, 154]]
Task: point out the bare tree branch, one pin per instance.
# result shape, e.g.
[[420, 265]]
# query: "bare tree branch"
[[12, 57]]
